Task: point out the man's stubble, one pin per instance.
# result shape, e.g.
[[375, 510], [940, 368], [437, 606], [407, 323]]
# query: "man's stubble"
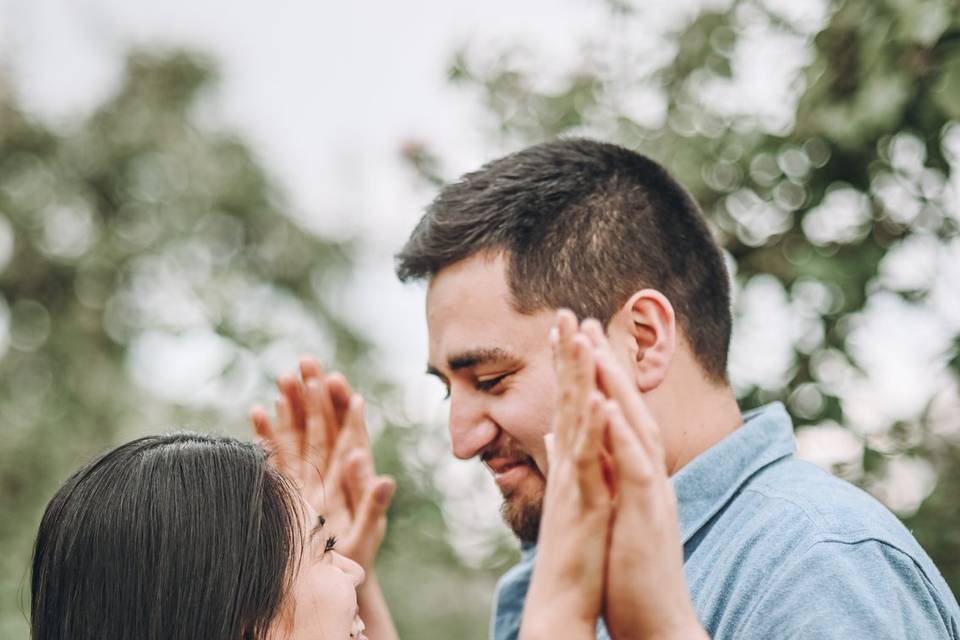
[[522, 510]]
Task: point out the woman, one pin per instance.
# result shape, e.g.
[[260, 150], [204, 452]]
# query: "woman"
[[188, 536]]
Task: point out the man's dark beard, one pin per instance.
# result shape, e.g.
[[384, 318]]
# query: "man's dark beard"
[[520, 512], [523, 516]]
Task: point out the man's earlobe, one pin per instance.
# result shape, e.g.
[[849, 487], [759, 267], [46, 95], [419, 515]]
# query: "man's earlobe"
[[652, 328]]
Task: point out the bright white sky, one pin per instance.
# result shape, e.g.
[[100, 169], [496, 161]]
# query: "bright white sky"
[[327, 91]]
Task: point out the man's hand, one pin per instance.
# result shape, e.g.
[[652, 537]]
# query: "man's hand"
[[646, 594], [320, 441], [566, 592]]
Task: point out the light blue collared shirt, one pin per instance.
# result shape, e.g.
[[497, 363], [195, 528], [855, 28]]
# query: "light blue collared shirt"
[[774, 547]]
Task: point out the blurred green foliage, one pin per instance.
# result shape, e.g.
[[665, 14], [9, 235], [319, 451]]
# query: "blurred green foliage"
[[139, 227]]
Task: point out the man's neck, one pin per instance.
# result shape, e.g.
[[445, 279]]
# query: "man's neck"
[[694, 414]]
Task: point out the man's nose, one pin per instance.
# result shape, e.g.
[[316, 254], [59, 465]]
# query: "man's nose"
[[351, 568], [471, 428]]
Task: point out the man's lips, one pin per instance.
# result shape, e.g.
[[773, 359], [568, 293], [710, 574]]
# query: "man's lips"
[[508, 471], [502, 465]]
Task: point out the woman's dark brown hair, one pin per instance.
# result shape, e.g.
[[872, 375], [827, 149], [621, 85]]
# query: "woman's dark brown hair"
[[175, 537]]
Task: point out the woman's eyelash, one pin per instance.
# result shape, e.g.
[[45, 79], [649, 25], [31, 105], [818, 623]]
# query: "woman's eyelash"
[[330, 545]]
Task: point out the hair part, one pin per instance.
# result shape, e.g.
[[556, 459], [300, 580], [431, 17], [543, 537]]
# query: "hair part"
[[172, 537], [583, 225]]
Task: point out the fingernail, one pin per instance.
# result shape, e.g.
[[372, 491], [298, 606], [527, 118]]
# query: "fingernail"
[[383, 493]]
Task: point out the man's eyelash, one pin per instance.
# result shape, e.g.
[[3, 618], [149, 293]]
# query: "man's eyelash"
[[482, 385], [487, 385], [330, 545]]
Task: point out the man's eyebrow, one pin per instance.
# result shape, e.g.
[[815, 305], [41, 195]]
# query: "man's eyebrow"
[[473, 357]]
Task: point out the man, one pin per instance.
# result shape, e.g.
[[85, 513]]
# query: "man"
[[772, 547]]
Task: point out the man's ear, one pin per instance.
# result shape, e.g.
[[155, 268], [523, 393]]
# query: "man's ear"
[[647, 326]]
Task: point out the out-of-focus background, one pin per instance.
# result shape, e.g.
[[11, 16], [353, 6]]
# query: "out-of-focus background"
[[192, 194]]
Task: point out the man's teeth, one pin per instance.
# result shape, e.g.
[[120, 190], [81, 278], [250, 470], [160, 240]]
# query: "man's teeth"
[[358, 627]]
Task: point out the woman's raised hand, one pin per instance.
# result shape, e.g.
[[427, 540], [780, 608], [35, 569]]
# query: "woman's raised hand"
[[320, 441]]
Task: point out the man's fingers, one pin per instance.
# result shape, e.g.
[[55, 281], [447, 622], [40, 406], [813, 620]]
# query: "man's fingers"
[[587, 448], [615, 383], [567, 410], [584, 376], [633, 463], [549, 441]]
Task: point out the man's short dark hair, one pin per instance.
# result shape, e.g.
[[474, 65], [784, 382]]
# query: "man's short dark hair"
[[583, 225]]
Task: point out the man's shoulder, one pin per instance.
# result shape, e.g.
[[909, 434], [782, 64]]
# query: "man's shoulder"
[[786, 526], [798, 496], [785, 509]]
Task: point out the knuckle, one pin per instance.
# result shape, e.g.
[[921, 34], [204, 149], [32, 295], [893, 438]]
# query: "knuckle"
[[583, 462]]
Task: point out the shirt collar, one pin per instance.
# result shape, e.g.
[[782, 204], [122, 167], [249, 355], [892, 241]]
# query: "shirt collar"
[[708, 482]]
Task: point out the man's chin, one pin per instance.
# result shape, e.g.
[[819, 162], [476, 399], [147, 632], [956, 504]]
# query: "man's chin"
[[522, 509]]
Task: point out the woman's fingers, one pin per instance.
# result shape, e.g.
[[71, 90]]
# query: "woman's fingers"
[[373, 506], [317, 433], [318, 409], [369, 524], [291, 389], [340, 393], [359, 471], [262, 427], [310, 368], [287, 440], [355, 423]]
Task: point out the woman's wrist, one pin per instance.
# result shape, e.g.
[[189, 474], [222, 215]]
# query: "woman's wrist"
[[541, 626], [683, 627]]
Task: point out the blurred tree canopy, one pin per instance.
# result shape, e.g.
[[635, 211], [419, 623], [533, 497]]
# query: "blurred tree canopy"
[[839, 199], [137, 243], [152, 276]]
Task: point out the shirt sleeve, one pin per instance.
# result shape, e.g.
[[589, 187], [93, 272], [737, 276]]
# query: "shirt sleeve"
[[841, 590]]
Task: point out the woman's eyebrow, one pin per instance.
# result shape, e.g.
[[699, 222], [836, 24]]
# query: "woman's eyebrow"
[[317, 527]]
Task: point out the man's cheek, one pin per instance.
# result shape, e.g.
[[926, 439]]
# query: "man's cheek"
[[542, 463]]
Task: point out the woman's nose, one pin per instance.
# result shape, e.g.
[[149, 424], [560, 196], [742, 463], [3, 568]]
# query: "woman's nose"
[[351, 568]]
